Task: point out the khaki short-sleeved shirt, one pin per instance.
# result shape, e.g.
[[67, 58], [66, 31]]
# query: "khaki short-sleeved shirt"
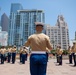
[[38, 42], [13, 50], [24, 51], [3, 51], [9, 50], [74, 49]]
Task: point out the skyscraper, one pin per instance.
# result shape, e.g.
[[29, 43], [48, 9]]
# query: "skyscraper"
[[25, 24], [22, 25], [59, 34], [3, 37], [4, 22], [12, 22], [0, 22]]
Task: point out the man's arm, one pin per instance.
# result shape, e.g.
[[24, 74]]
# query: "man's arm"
[[49, 45], [27, 43]]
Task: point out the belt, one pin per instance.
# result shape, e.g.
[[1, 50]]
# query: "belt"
[[38, 52]]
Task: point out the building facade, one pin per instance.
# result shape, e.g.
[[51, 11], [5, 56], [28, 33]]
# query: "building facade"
[[3, 37], [22, 25], [59, 34], [4, 22], [12, 22], [0, 22]]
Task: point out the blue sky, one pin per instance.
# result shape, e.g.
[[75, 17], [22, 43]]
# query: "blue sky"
[[52, 9]]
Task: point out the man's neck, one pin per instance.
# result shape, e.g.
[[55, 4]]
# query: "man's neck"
[[38, 32]]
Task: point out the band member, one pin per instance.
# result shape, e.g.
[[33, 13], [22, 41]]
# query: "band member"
[[38, 43], [60, 51], [74, 52], [13, 54], [24, 52], [57, 52], [3, 51], [20, 54], [9, 53], [70, 54]]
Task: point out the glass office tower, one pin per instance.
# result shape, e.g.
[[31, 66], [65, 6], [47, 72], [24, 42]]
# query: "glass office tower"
[[25, 24], [12, 22], [22, 24]]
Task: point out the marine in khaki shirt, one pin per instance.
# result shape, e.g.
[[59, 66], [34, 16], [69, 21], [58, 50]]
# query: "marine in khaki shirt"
[[74, 47], [59, 50], [13, 54], [70, 54], [74, 52], [3, 50], [57, 54], [24, 51], [9, 49], [39, 42]]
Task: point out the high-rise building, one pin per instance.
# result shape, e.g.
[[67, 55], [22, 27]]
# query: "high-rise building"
[[0, 22], [4, 22], [22, 24], [3, 37], [0, 28], [25, 24], [59, 34], [12, 22]]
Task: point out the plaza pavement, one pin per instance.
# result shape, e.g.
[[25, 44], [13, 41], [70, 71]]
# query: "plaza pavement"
[[23, 69]]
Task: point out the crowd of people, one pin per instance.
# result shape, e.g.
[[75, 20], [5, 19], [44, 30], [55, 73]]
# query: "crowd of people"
[[9, 54], [71, 54]]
